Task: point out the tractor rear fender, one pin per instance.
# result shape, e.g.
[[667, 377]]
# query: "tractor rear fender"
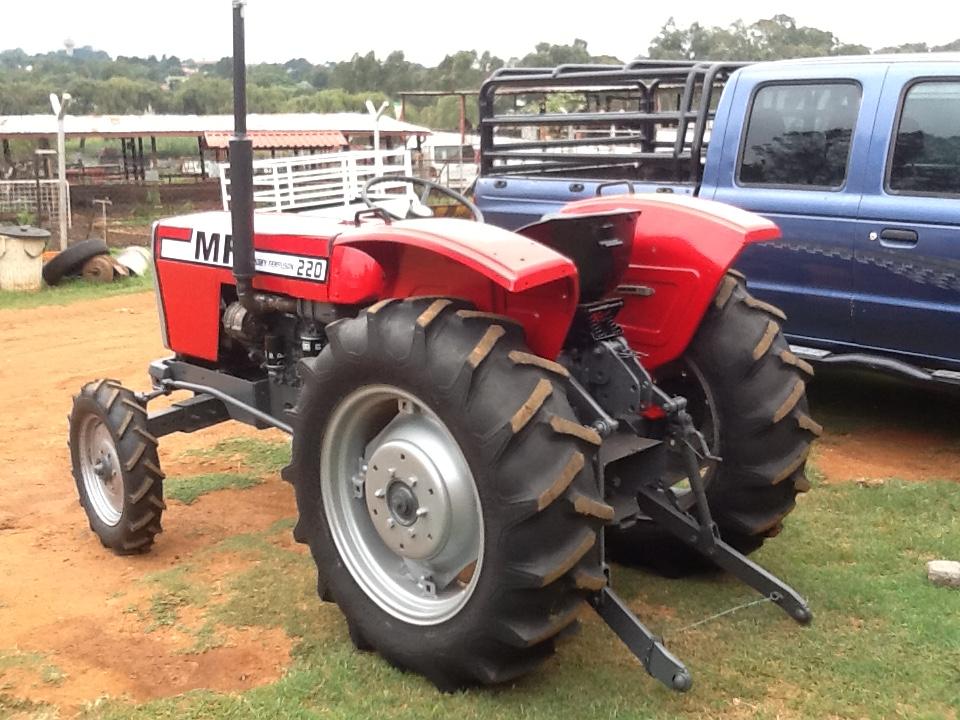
[[682, 248], [498, 271]]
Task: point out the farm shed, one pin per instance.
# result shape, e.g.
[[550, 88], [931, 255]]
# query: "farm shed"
[[313, 132]]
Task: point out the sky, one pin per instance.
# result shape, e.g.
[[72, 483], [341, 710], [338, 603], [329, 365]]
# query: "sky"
[[278, 30]]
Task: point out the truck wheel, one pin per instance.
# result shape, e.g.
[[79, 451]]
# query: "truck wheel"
[[747, 395], [446, 490], [115, 466]]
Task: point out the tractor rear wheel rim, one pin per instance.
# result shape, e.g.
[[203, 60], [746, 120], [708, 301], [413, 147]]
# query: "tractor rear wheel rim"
[[100, 469], [402, 504]]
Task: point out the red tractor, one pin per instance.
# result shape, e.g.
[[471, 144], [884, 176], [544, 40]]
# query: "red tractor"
[[474, 412]]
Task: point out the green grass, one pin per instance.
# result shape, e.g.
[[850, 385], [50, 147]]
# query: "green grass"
[[885, 643], [74, 290], [176, 588], [15, 708], [188, 489], [34, 663], [258, 456], [252, 457]]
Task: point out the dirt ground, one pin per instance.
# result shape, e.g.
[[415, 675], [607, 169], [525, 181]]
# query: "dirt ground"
[[62, 595], [60, 591]]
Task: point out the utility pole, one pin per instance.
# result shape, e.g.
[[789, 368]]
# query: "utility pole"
[[59, 106]]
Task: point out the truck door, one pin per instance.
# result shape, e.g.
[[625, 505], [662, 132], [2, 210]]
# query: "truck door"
[[798, 159], [907, 246]]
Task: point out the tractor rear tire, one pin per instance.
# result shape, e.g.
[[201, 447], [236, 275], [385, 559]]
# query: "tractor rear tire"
[[115, 466], [754, 391], [468, 377]]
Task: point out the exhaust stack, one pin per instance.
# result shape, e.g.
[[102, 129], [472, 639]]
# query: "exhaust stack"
[[241, 166], [241, 187]]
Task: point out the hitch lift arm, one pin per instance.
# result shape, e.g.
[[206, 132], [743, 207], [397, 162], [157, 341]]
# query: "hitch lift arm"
[[658, 503]]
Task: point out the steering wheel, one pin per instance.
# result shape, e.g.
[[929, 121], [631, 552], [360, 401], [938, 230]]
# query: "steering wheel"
[[428, 187]]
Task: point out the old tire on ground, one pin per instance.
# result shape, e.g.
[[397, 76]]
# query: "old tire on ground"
[[481, 421], [71, 259], [747, 395], [115, 466]]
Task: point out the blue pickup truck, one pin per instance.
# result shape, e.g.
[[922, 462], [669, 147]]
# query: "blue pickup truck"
[[857, 159]]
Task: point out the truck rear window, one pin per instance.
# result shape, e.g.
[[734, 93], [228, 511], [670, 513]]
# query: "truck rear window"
[[799, 135], [926, 154]]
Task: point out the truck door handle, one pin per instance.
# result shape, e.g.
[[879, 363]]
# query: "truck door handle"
[[896, 238]]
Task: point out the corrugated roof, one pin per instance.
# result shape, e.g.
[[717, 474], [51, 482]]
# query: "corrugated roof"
[[35, 126], [276, 140]]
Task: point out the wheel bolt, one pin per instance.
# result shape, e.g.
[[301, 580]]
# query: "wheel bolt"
[[380, 492], [391, 522], [421, 512]]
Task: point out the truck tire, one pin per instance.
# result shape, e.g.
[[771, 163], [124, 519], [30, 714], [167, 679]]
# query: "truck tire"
[[747, 394], [71, 259], [115, 466], [421, 399]]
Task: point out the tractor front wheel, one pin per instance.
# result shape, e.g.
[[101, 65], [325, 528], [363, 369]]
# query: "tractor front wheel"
[[115, 466], [446, 490]]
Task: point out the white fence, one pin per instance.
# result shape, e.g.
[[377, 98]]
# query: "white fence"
[[22, 196], [308, 182]]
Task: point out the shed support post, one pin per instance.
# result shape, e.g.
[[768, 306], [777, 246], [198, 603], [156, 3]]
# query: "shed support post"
[[123, 149], [203, 164]]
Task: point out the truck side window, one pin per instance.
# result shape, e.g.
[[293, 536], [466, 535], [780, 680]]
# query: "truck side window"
[[926, 154], [799, 135]]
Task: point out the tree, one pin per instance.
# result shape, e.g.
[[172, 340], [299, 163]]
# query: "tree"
[[201, 95], [775, 38], [548, 55], [101, 84], [920, 47]]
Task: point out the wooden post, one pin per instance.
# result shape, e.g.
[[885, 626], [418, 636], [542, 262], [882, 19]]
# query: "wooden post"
[[153, 152], [45, 145], [7, 157], [203, 165], [143, 172], [123, 149]]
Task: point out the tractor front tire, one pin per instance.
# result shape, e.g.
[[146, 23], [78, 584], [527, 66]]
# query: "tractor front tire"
[[423, 398], [115, 466], [749, 391]]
